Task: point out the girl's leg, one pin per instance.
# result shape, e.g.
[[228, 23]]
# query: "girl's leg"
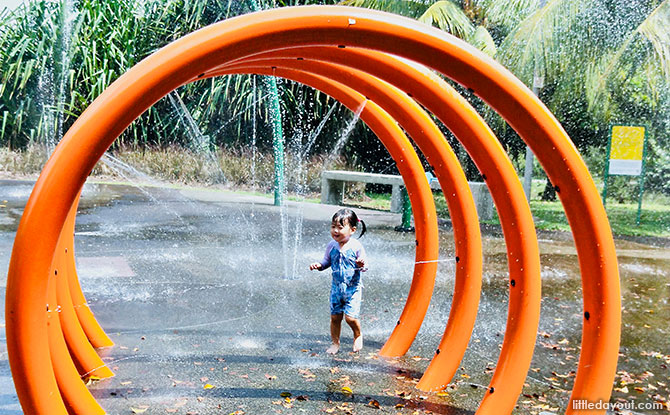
[[355, 325], [335, 328]]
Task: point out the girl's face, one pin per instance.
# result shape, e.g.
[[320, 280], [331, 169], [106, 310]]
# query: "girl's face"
[[341, 233]]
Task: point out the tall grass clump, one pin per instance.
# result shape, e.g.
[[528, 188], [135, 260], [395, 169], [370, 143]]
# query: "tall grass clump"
[[239, 168], [57, 56], [27, 162]]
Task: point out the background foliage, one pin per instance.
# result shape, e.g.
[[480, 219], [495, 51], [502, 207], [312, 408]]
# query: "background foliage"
[[602, 62]]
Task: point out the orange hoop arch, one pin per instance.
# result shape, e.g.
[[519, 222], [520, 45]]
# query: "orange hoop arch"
[[516, 220], [190, 58]]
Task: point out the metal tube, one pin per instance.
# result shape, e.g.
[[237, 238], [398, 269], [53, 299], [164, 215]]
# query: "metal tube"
[[95, 334], [74, 392], [431, 141], [523, 254], [237, 38]]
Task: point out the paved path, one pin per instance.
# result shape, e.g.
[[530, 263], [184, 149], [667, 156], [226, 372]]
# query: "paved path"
[[201, 287]]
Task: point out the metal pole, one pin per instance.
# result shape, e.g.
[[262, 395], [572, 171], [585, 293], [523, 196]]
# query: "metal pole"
[[528, 173], [406, 210], [642, 174], [277, 142], [406, 215], [538, 83], [277, 134], [606, 173]]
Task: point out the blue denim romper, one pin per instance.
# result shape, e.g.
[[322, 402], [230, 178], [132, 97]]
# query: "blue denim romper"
[[346, 290]]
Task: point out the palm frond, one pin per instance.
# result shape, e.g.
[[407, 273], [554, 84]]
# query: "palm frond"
[[409, 8], [508, 13], [655, 30], [449, 17], [482, 40], [538, 44], [5, 17]]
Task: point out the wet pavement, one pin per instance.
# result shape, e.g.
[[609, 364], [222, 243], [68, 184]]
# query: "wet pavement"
[[208, 298]]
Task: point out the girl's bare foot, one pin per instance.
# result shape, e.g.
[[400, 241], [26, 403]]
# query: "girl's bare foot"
[[333, 349], [358, 344]]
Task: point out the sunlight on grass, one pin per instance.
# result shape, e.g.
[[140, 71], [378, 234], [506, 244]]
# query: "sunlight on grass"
[[654, 220]]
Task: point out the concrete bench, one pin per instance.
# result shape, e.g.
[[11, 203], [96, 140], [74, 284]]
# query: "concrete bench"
[[332, 189]]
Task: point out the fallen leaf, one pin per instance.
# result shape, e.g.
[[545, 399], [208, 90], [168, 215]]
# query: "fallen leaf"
[[91, 379], [208, 386], [374, 404], [140, 409], [347, 390], [285, 394]]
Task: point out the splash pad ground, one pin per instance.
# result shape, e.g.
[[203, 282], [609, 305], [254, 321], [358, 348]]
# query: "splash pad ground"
[[192, 287]]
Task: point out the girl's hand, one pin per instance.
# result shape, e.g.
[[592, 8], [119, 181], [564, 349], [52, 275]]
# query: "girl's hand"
[[316, 265], [360, 263]]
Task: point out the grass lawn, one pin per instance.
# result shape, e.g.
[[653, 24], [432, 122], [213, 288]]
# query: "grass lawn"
[[654, 220]]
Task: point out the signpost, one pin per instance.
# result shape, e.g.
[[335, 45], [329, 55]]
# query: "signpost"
[[625, 157]]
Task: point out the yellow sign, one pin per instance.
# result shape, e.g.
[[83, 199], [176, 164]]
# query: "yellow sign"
[[627, 149], [627, 143]]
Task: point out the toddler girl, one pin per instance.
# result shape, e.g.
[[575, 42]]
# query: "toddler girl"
[[346, 256]]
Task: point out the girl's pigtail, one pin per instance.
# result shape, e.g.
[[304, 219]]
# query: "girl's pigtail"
[[348, 216]]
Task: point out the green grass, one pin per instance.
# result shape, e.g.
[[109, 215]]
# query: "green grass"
[[379, 201], [175, 165], [654, 220]]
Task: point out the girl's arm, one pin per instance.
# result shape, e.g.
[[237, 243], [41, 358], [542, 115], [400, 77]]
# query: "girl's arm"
[[361, 258], [325, 262], [361, 263]]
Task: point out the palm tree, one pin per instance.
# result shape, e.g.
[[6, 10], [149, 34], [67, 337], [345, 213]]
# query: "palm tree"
[[443, 14], [580, 45], [104, 40], [601, 60], [28, 43]]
